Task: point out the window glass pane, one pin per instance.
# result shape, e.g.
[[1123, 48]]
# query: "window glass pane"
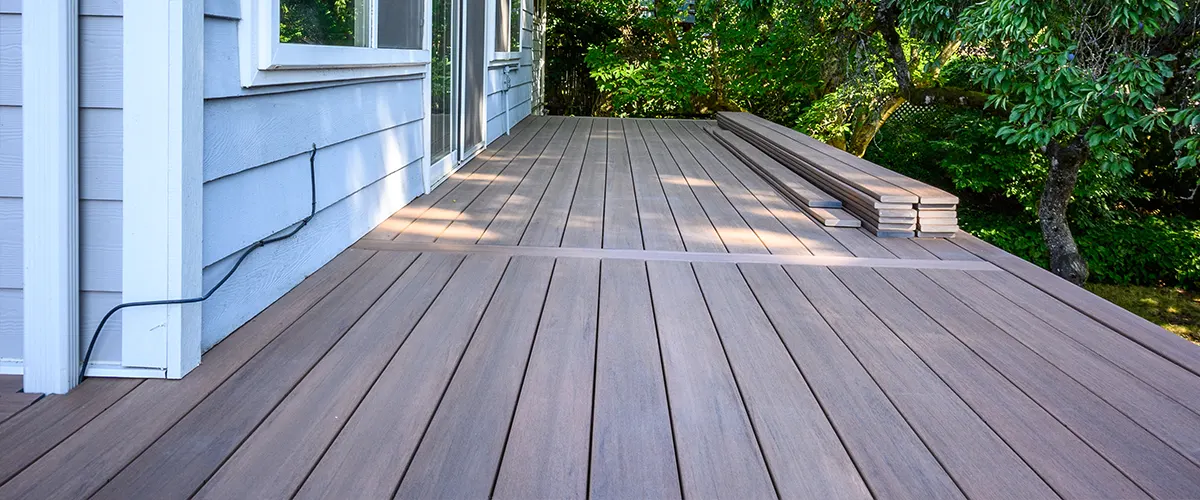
[[502, 25], [401, 24], [441, 134], [325, 22], [514, 29]]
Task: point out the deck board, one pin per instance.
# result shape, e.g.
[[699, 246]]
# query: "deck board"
[[619, 308], [633, 447], [547, 451]]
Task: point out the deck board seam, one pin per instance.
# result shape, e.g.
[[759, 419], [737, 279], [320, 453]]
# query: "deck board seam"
[[667, 255]]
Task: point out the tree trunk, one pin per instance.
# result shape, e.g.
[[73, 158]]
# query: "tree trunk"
[[1065, 161], [862, 135]]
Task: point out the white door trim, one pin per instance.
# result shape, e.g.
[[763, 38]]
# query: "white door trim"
[[163, 140], [50, 121]]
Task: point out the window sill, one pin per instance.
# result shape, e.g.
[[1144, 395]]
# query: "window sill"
[[505, 57], [294, 64]]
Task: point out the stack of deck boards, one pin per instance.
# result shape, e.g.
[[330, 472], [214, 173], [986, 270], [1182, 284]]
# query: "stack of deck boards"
[[887, 203], [824, 208]]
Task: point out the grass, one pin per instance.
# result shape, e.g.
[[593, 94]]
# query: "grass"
[[1178, 311]]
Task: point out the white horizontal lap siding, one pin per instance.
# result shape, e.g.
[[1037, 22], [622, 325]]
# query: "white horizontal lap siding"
[[371, 142]]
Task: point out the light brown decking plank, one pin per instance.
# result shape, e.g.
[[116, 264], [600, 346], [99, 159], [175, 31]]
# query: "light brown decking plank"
[[814, 237], [511, 221], [633, 450], [1057, 455], [711, 158], [659, 231], [10, 384], [1138, 329], [474, 219], [736, 234], [28, 435], [712, 430], [461, 450], [697, 231], [1151, 368], [1149, 462], [449, 208], [307, 421], [803, 453], [369, 455], [871, 428], [98, 451], [397, 222], [1175, 424], [622, 226], [549, 219], [585, 223], [549, 441], [179, 462], [980, 462], [860, 243], [944, 249], [904, 248]]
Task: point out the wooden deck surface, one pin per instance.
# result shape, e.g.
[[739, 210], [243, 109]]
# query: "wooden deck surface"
[[621, 309]]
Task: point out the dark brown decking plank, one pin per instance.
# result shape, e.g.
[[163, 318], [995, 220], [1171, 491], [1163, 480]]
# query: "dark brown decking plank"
[[633, 450], [11, 403], [369, 455], [659, 231], [1138, 329], [440, 215], [622, 226], [871, 428], [1063, 460], [28, 435], [462, 447], [308, 420], [549, 219], [469, 226], [1151, 368], [103, 447], [711, 158], [397, 222], [10, 384], [803, 452], [697, 231], [512, 220], [814, 237], [980, 462], [585, 223], [548, 445], [718, 452], [1175, 424], [178, 463], [732, 228], [1146, 460]]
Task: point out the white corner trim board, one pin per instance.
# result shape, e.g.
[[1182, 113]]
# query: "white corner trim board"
[[162, 183], [50, 98]]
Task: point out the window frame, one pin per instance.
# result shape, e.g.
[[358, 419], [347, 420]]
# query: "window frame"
[[510, 55], [267, 61]]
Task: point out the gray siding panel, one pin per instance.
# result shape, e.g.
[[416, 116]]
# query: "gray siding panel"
[[11, 250], [100, 151], [10, 60], [10, 151], [100, 62], [100, 245], [11, 325]]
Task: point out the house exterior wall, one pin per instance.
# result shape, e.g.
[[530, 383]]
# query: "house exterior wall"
[[521, 87], [100, 37]]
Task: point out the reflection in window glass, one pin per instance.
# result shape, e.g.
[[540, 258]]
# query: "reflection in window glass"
[[514, 30], [325, 22], [441, 134], [400, 24]]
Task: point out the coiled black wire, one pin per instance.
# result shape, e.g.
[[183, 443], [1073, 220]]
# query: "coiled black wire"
[[312, 174]]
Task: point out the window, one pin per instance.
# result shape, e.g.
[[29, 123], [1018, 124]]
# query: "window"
[[298, 41], [508, 29]]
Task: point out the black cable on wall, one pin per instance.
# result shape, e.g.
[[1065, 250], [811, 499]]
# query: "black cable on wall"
[[312, 174]]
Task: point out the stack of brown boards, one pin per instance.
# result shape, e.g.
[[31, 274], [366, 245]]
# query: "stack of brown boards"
[[889, 204], [809, 198]]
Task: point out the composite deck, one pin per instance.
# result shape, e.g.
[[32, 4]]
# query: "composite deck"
[[620, 309]]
